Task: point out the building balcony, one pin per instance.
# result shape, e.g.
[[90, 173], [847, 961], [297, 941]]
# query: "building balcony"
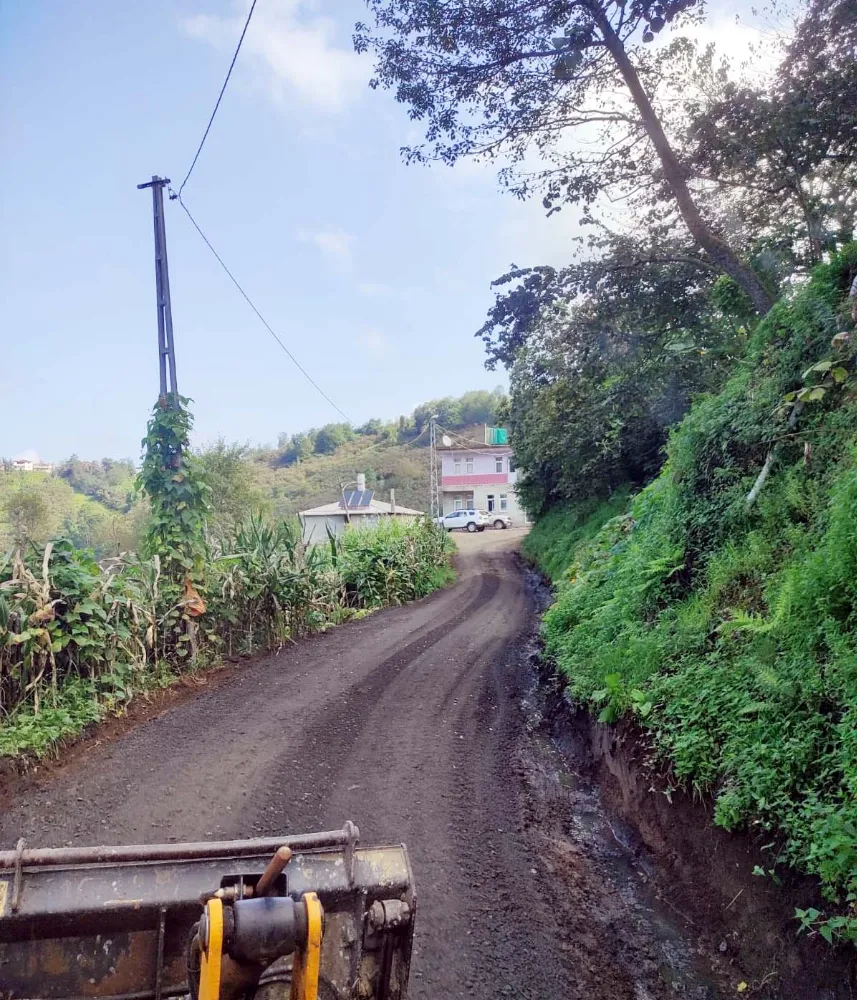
[[476, 479]]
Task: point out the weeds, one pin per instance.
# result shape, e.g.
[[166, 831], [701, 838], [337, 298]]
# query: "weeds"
[[731, 633]]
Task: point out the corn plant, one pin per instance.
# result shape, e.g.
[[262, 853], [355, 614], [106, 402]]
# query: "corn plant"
[[78, 637]]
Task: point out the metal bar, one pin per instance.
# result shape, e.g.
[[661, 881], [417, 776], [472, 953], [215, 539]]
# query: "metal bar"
[[159, 957], [19, 865], [172, 852], [174, 991]]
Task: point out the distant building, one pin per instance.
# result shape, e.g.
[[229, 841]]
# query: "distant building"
[[357, 507], [28, 465], [481, 476]]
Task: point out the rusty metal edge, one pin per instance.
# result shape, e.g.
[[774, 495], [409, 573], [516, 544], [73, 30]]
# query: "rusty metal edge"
[[62, 856]]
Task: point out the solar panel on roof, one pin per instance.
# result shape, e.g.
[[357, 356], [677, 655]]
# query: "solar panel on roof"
[[357, 498]]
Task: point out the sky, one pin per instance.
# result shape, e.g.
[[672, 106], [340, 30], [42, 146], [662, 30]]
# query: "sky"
[[375, 274]]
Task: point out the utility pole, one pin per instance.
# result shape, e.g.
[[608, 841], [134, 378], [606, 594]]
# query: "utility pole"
[[166, 346], [435, 505]]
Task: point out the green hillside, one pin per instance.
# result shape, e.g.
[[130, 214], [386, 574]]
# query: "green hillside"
[[718, 606], [95, 504]]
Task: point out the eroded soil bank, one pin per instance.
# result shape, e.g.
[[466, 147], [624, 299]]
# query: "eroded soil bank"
[[701, 873]]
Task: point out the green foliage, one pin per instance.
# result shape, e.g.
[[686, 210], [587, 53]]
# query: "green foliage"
[[171, 478], [234, 491], [558, 536], [109, 482], [68, 512], [599, 371], [393, 562], [79, 638], [28, 513], [731, 633], [330, 437]]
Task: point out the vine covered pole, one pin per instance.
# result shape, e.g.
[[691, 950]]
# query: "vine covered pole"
[[166, 345]]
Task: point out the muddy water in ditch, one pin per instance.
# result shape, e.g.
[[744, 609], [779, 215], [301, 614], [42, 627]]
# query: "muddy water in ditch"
[[653, 939]]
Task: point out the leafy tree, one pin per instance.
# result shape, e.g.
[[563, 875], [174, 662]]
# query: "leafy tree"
[[785, 156], [491, 79], [604, 356], [331, 436], [295, 447], [481, 406], [235, 494], [371, 427], [29, 514]]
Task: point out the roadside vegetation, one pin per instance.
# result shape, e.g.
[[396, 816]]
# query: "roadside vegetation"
[[683, 392], [729, 630], [80, 638]]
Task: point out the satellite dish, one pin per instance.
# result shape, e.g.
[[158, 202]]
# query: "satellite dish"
[[447, 441]]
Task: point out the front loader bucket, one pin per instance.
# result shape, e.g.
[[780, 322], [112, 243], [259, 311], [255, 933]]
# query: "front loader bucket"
[[208, 920]]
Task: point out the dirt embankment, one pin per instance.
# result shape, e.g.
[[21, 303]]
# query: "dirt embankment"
[[701, 872]]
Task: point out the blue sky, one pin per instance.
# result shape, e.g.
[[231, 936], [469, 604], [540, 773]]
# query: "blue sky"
[[375, 274]]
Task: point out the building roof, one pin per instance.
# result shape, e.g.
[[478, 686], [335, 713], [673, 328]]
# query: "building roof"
[[375, 507]]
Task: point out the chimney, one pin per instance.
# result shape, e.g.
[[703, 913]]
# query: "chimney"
[[361, 481], [392, 501]]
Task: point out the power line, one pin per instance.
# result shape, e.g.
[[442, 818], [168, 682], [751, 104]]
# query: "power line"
[[267, 325], [219, 99]]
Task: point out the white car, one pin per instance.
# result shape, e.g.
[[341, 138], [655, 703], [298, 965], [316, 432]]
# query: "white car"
[[466, 520], [498, 519]]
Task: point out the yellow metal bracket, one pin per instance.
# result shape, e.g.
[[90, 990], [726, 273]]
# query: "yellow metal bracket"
[[307, 961], [212, 952]]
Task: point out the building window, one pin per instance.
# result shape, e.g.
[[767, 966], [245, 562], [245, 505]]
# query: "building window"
[[490, 503], [512, 466], [468, 466], [459, 503], [504, 501], [498, 464], [457, 467]]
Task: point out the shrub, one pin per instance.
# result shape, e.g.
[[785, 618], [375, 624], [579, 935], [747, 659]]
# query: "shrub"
[[730, 629]]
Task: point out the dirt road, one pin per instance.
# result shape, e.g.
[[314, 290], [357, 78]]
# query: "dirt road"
[[417, 724]]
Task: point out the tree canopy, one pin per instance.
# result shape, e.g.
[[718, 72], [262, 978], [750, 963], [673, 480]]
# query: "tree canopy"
[[517, 79]]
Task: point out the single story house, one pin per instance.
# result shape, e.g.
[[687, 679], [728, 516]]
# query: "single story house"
[[357, 507]]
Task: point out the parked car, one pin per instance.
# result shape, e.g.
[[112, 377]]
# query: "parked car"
[[465, 520], [498, 519]]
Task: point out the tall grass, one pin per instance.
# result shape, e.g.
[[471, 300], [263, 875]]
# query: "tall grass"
[[79, 638]]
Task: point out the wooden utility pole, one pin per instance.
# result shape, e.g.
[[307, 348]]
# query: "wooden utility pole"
[[166, 346]]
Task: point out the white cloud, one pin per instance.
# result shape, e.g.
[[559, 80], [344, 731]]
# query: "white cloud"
[[374, 341], [294, 51], [333, 242]]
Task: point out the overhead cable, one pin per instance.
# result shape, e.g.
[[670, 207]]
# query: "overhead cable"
[[219, 99]]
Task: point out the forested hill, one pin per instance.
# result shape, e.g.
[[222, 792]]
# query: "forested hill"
[[96, 505]]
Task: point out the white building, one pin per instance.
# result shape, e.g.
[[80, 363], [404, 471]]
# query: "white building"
[[481, 477], [28, 465], [356, 507]]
